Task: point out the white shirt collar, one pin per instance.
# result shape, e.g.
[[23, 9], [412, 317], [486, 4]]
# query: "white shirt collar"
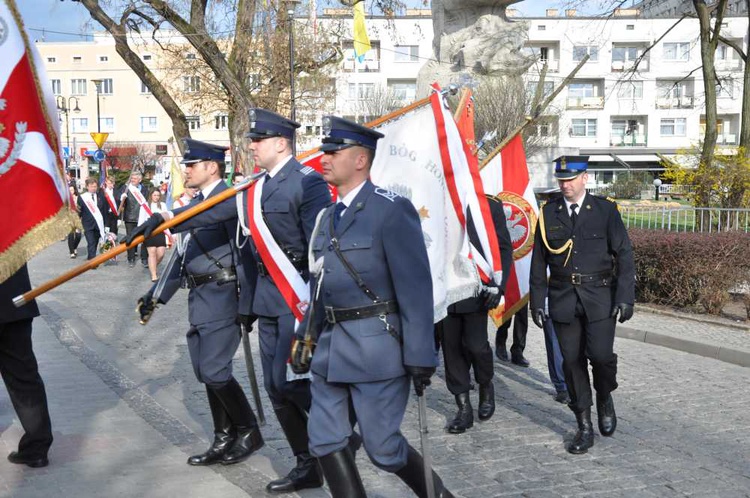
[[579, 202], [348, 198], [207, 191], [273, 171]]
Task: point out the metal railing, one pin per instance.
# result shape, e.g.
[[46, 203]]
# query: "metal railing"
[[687, 219]]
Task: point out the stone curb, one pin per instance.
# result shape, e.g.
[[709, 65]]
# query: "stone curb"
[[728, 355], [693, 317]]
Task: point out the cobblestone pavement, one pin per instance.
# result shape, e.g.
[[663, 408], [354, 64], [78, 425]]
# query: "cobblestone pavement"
[[684, 420]]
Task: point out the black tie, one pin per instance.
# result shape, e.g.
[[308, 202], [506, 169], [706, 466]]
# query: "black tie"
[[199, 197], [93, 198], [337, 214], [573, 214]]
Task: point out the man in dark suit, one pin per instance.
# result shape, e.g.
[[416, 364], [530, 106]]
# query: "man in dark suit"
[[210, 267], [463, 332], [375, 316], [91, 209], [582, 240], [20, 372], [130, 210]]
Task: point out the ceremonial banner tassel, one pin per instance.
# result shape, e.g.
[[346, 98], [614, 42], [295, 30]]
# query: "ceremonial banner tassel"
[[31, 167], [505, 174]]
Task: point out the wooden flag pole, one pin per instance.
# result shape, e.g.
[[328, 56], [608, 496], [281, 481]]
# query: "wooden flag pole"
[[208, 203]]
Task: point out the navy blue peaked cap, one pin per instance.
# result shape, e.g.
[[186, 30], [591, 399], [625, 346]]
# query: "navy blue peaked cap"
[[569, 167], [197, 151], [341, 133], [267, 124]]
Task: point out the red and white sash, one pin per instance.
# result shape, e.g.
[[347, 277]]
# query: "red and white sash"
[[94, 210], [291, 285], [111, 201], [142, 202]]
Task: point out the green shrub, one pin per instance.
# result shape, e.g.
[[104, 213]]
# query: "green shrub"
[[688, 269]]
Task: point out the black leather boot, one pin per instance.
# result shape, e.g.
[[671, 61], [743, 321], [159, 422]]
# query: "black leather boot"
[[249, 438], [464, 418], [486, 407], [307, 473], [605, 411], [342, 475], [223, 433], [584, 438], [413, 475]]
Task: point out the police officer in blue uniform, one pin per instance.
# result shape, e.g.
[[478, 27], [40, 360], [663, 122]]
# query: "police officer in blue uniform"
[[292, 196], [374, 313], [209, 267], [582, 240]]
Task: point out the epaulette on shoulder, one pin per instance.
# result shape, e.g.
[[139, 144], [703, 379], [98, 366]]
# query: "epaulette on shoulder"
[[606, 197], [391, 196], [306, 170]]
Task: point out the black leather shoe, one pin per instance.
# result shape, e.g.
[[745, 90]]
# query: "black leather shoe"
[[249, 440], [584, 438], [486, 407], [562, 397], [464, 418], [519, 360], [307, 474], [605, 411], [501, 353], [33, 462]]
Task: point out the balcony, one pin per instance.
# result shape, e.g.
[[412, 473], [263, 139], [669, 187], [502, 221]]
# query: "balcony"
[[585, 102], [728, 139], [633, 140], [553, 66], [621, 66], [728, 64], [674, 103], [366, 66]]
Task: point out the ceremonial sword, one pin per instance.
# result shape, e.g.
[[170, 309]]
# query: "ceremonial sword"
[[251, 374], [425, 443]]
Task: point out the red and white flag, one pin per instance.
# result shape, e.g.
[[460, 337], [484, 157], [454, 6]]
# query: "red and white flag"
[[32, 184], [506, 176]]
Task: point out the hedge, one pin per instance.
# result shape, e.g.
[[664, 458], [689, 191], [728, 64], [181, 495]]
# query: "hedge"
[[688, 269]]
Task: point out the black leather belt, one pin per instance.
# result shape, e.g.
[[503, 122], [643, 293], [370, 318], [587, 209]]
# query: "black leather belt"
[[299, 265], [334, 315], [583, 278], [220, 277]]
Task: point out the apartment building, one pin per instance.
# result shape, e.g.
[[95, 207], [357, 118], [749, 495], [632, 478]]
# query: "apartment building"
[[639, 97]]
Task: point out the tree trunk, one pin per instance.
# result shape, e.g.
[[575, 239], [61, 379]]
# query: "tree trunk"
[[745, 117]]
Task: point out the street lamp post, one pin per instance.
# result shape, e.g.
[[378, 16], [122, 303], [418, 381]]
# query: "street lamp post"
[[293, 108], [657, 184], [98, 84], [63, 107]]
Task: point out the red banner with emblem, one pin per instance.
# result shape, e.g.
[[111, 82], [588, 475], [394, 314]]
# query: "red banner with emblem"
[[31, 169], [506, 175]]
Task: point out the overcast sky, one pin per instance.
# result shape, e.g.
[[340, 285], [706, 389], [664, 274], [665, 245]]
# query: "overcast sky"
[[55, 20]]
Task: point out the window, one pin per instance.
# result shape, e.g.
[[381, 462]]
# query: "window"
[[544, 54], [630, 90], [406, 53], [103, 58], [106, 87], [191, 83], [193, 122], [78, 87], [79, 125], [148, 124], [161, 150], [403, 90], [107, 125], [630, 27], [51, 60], [583, 128], [624, 127], [547, 89], [624, 54], [580, 51], [144, 88], [671, 89], [77, 59], [581, 90], [542, 27], [146, 57], [672, 127], [677, 51], [190, 56], [221, 122], [361, 91], [56, 87], [724, 89]]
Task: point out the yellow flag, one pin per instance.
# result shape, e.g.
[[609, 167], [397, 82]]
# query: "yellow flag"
[[361, 40], [176, 182]]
